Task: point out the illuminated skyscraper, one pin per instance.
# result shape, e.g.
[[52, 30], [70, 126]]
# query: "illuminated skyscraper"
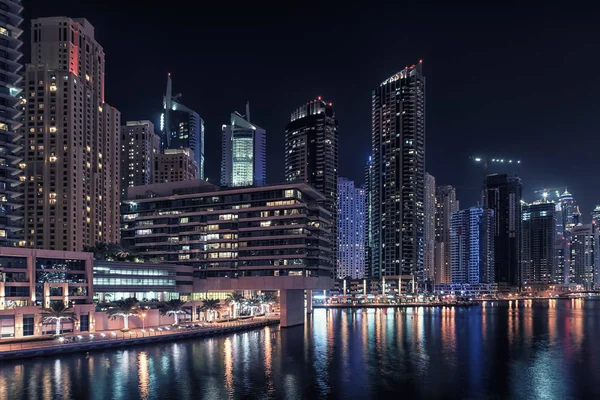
[[471, 262], [351, 230], [311, 153], [538, 243], [446, 204], [182, 128], [243, 152], [139, 146], [369, 179], [429, 230], [398, 140], [72, 157], [11, 231], [583, 267]]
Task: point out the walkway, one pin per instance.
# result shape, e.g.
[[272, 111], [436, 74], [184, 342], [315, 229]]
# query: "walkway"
[[112, 339]]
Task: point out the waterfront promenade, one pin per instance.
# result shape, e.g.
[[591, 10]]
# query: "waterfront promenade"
[[114, 339]]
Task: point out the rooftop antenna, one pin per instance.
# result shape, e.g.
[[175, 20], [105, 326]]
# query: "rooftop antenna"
[[248, 111]]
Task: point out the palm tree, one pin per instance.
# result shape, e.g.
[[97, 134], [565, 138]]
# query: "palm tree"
[[174, 308], [211, 306], [267, 299], [56, 313], [124, 308], [252, 304], [236, 299]]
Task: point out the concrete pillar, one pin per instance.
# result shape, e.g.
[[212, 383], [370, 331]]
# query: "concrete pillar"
[[309, 300], [292, 307]]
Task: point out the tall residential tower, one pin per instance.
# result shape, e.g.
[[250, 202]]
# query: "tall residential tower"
[[72, 172], [398, 140], [11, 232], [139, 146], [351, 230], [446, 204]]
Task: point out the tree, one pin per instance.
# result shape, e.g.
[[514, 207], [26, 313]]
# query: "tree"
[[57, 312], [211, 306], [236, 299], [124, 308], [266, 300], [174, 308], [252, 303]]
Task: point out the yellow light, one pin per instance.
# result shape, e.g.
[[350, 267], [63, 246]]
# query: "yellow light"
[[53, 88], [52, 129]]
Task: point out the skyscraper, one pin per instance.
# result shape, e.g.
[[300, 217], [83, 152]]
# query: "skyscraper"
[[243, 152], [504, 195], [538, 241], [398, 140], [139, 146], [311, 152], [429, 230], [471, 255], [11, 231], [72, 173], [369, 218], [351, 230], [583, 266], [568, 211], [182, 128], [446, 204]]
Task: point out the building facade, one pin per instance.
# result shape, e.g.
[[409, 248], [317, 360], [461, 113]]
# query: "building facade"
[[369, 218], [243, 152], [398, 141], [256, 231], [71, 161], [350, 230], [445, 204], [174, 165], [182, 128], [429, 230], [11, 232], [472, 257], [583, 267], [139, 147], [504, 194], [538, 243], [311, 153]]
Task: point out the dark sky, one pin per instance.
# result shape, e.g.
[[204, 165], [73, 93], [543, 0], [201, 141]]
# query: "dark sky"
[[517, 81]]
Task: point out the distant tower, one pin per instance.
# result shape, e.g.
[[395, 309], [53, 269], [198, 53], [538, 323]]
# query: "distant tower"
[[583, 267], [351, 230], [398, 141], [538, 243], [139, 146], [429, 231], [446, 204], [471, 255], [243, 152], [369, 218], [182, 128], [311, 152], [504, 194]]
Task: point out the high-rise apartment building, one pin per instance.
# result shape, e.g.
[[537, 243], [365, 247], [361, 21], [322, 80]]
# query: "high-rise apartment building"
[[504, 195], [472, 256], [311, 153], [351, 230], [174, 165], [429, 230], [369, 218], [72, 140], [568, 211], [446, 204], [11, 232], [243, 152], [182, 128], [538, 235], [583, 267], [398, 140], [139, 146]]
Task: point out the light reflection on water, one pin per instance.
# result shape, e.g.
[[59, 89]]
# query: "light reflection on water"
[[519, 349]]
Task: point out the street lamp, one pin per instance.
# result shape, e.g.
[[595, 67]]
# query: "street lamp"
[[143, 320]]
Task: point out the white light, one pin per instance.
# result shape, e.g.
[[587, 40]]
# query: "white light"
[[518, 162], [478, 159], [510, 161], [502, 160], [493, 160]]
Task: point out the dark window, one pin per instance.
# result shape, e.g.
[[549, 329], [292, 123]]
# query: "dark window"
[[28, 325], [84, 323]]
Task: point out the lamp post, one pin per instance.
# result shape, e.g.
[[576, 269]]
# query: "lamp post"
[[143, 315]]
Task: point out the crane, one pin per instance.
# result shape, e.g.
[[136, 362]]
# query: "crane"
[[545, 192]]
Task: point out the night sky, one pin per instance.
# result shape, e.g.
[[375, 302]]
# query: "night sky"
[[502, 81]]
